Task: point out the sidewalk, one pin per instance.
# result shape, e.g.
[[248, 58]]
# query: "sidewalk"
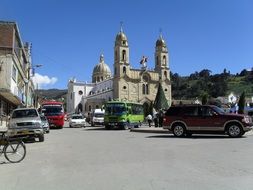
[[146, 129]]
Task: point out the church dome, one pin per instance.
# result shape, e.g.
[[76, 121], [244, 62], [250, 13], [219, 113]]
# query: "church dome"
[[160, 42], [121, 38], [101, 71]]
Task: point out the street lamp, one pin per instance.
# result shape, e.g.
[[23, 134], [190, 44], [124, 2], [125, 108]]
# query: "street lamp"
[[35, 66], [37, 86]]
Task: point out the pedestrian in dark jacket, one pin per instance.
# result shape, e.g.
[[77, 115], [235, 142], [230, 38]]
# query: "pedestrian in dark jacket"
[[160, 118]]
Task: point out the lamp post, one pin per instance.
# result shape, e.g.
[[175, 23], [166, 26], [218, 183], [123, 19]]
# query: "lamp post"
[[37, 86]]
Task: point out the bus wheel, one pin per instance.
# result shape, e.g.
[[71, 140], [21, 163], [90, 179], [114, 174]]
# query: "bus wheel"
[[125, 127], [107, 127]]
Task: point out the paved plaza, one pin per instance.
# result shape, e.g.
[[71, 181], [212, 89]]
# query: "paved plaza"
[[97, 159]]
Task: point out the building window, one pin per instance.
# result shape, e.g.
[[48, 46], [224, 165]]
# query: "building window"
[[145, 89], [165, 73], [157, 60], [115, 70], [124, 70], [124, 55], [164, 60], [80, 92], [14, 73], [165, 89], [97, 106], [89, 107], [124, 87]]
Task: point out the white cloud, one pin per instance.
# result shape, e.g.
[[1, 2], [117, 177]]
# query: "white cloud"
[[43, 81]]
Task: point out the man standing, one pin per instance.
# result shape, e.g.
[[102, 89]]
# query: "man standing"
[[149, 118], [160, 118]]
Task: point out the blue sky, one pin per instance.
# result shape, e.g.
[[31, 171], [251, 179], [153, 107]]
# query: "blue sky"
[[69, 36]]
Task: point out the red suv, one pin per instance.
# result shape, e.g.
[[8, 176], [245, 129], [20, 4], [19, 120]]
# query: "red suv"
[[188, 119]]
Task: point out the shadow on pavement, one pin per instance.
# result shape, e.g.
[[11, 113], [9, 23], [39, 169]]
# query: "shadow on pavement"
[[195, 137]]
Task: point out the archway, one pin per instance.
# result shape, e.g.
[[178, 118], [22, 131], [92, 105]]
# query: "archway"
[[79, 108]]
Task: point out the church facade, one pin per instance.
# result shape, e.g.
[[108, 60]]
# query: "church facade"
[[126, 83]]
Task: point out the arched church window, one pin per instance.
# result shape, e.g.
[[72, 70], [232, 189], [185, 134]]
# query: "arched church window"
[[143, 88], [147, 89], [164, 60], [80, 108], [165, 73], [124, 55], [115, 70], [124, 70], [157, 60], [89, 107]]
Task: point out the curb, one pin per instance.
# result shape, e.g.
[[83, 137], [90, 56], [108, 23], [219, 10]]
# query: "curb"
[[148, 130]]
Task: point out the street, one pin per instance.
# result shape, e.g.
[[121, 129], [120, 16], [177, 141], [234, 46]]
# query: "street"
[[97, 159]]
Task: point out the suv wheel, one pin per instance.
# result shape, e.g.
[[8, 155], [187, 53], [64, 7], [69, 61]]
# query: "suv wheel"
[[235, 130], [178, 130]]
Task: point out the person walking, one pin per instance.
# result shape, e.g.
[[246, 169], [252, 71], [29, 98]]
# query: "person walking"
[[149, 118], [155, 118], [160, 118]]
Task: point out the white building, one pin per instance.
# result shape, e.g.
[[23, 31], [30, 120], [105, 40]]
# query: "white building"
[[83, 96]]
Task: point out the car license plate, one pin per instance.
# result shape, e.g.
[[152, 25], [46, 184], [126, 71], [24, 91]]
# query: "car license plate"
[[25, 132]]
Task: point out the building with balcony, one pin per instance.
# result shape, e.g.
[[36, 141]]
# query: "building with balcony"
[[16, 86]]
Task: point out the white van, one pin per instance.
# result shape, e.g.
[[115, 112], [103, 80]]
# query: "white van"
[[97, 117]]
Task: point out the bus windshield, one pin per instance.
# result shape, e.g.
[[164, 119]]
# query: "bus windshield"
[[52, 110], [116, 109]]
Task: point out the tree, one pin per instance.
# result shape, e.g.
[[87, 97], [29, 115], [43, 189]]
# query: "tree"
[[205, 73], [241, 103], [160, 99], [204, 99]]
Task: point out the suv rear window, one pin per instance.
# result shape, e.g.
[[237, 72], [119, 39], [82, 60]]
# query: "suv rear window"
[[173, 111], [190, 111]]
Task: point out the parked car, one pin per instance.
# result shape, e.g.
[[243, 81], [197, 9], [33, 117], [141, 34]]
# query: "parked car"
[[77, 120], [97, 117], [26, 122], [189, 119], [45, 124]]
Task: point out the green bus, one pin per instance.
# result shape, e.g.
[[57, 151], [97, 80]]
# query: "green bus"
[[123, 115]]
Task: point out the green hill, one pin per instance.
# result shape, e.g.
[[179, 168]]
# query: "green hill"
[[50, 94], [203, 82]]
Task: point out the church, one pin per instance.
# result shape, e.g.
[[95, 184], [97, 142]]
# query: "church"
[[126, 83]]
